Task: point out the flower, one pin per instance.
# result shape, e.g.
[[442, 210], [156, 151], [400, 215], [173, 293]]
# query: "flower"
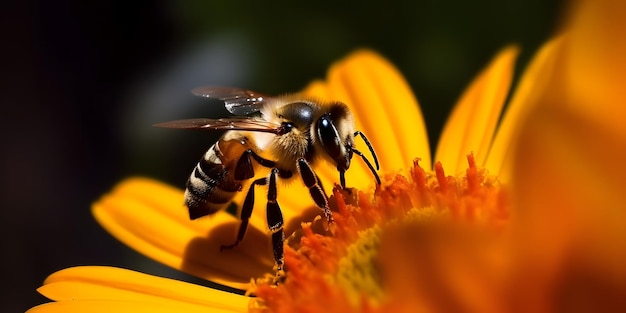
[[526, 218]]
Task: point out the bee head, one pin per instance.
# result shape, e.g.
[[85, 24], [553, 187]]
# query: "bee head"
[[335, 132], [338, 148]]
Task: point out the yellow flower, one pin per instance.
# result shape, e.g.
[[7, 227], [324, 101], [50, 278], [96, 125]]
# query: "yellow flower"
[[526, 218]]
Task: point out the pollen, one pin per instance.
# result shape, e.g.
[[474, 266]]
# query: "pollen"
[[339, 270]]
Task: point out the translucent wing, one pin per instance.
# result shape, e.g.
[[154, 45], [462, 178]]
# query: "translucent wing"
[[248, 124], [236, 100]]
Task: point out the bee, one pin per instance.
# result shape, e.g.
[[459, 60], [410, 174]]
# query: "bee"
[[287, 134]]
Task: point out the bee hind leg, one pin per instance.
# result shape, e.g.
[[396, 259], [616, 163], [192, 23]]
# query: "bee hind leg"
[[244, 170], [246, 212], [274, 219]]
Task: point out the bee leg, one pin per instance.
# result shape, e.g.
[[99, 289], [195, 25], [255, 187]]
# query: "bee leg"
[[274, 219], [263, 161], [246, 212], [244, 169], [275, 223], [312, 182]]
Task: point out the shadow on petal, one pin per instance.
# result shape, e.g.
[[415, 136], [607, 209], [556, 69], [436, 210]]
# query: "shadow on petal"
[[231, 267], [234, 267]]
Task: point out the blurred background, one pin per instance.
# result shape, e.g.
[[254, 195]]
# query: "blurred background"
[[84, 81]]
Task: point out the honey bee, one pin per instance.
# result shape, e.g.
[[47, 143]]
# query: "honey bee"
[[286, 134]]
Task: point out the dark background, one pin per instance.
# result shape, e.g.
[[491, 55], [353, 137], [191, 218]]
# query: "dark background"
[[82, 81]]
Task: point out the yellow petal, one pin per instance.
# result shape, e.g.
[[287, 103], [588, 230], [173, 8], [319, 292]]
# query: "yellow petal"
[[149, 217], [384, 108], [531, 85], [107, 306], [472, 124], [593, 69], [93, 288], [570, 172]]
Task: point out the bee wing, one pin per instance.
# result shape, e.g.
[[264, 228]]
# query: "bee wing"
[[247, 124], [236, 100]]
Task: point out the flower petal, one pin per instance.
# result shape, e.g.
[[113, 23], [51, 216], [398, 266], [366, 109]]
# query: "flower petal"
[[384, 108], [570, 198], [441, 266], [571, 217], [94, 288], [593, 70], [531, 85], [126, 306], [149, 217], [472, 125]]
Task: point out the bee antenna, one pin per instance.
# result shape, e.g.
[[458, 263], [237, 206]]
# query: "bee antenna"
[[369, 145], [369, 164]]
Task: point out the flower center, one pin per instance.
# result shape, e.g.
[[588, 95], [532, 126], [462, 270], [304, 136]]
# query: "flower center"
[[340, 270], [357, 272]]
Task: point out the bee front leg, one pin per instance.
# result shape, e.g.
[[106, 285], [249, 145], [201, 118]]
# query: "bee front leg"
[[312, 182]]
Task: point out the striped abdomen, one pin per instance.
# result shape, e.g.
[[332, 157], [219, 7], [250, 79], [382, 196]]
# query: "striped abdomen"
[[211, 185]]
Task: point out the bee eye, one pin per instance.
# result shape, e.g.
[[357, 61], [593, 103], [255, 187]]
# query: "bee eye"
[[327, 134], [285, 128]]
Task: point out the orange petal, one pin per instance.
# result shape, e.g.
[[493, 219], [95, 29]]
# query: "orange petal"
[[94, 288], [472, 124], [149, 217], [438, 266], [570, 172], [532, 84], [569, 178], [593, 69]]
